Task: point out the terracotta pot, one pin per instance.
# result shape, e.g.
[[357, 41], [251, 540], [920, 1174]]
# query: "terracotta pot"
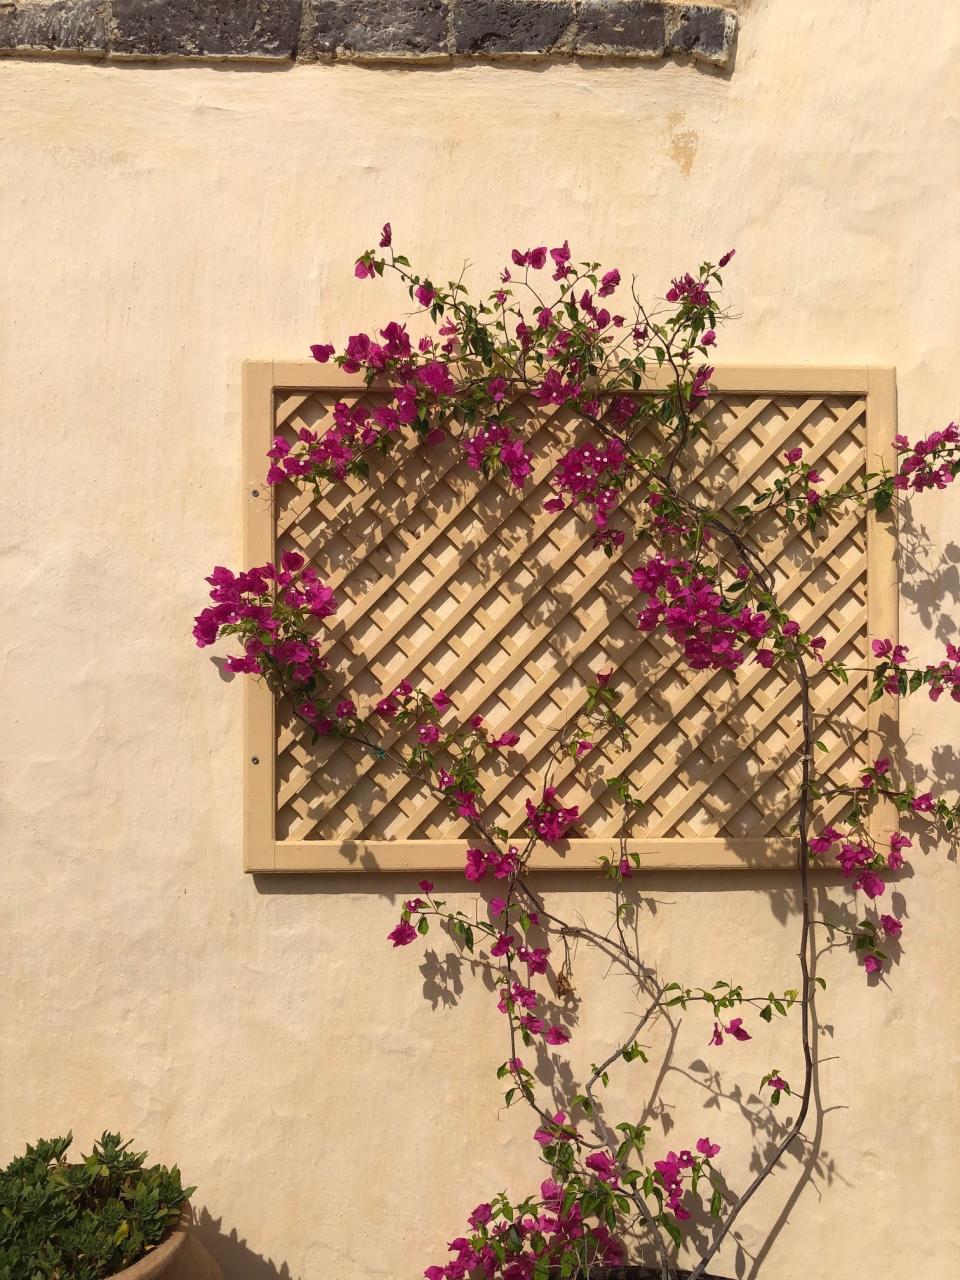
[[180, 1257]]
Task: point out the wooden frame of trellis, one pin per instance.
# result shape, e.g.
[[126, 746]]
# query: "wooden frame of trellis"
[[274, 389]]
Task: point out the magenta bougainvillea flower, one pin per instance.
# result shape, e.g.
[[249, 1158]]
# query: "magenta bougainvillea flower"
[[402, 934], [556, 1035], [891, 926], [548, 818]]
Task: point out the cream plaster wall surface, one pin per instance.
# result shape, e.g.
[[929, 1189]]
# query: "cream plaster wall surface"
[[160, 225]]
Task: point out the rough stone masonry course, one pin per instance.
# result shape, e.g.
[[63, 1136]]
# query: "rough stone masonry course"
[[368, 30]]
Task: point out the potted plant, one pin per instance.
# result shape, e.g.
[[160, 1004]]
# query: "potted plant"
[[487, 380], [109, 1215]]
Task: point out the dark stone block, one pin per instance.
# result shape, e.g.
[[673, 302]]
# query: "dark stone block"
[[206, 28], [67, 26], [624, 28], [368, 30], [512, 26], [705, 32], [377, 29]]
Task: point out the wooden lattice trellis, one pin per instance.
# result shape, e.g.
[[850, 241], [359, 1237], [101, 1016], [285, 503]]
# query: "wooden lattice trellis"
[[453, 581]]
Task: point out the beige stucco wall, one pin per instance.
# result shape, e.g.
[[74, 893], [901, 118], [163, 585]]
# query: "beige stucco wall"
[[158, 226]]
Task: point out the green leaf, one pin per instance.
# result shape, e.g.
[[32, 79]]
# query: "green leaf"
[[634, 1051], [716, 1203], [883, 496]]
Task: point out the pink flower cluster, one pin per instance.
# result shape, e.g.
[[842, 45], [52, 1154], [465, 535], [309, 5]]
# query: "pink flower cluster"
[[694, 614], [861, 863], [461, 800], [533, 1242], [356, 428], [518, 1000], [700, 387], [535, 258], [931, 463], [734, 1028], [600, 316], [555, 389], [936, 676], [549, 819], [245, 604], [898, 843], [404, 933], [808, 476], [555, 1131], [690, 290], [875, 779], [857, 860], [594, 477], [514, 996], [497, 444], [671, 1170], [522, 1002], [890, 928], [481, 861]]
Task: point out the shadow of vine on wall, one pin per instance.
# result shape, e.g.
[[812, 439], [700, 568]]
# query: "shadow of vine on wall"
[[929, 577]]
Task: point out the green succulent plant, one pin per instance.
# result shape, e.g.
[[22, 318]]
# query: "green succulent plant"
[[64, 1221]]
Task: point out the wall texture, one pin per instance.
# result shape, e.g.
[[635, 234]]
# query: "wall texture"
[[161, 224]]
